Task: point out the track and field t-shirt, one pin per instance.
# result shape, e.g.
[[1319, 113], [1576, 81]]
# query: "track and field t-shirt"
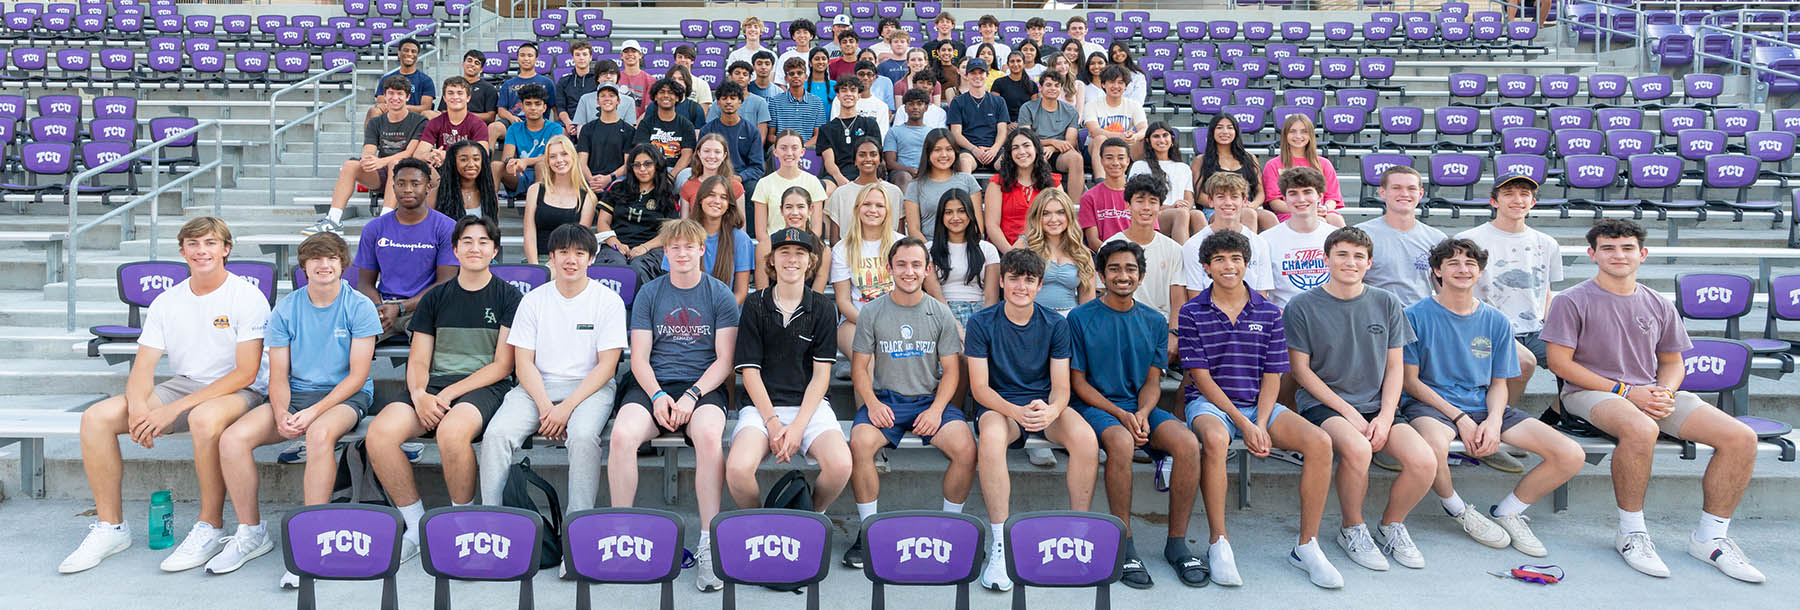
[[1018, 357], [683, 324], [907, 344], [1296, 260], [464, 324], [1346, 342], [406, 256], [567, 335], [1460, 355], [200, 334], [318, 336]]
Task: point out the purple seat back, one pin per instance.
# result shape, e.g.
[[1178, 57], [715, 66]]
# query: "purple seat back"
[[1191, 30], [1730, 171], [74, 60], [98, 153], [201, 24], [1362, 98], [1340, 120], [260, 274], [1559, 86], [1509, 117], [293, 62], [1619, 118], [1455, 169], [1337, 68], [333, 59], [1784, 296], [1651, 88], [923, 548], [30, 58], [1713, 296], [164, 61], [623, 545], [163, 127], [1258, 30], [1375, 68], [290, 36], [1312, 98], [480, 543], [619, 278], [1064, 549], [1373, 165], [266, 24], [1570, 117], [1522, 31], [91, 23], [771, 546], [1736, 122], [1676, 120], [522, 277], [115, 107], [1401, 120], [1531, 165], [1260, 98], [63, 106], [118, 59], [1590, 171], [1180, 82], [1698, 144], [1606, 86], [1230, 79], [1339, 31], [196, 45], [1702, 86], [208, 62], [1623, 143], [1457, 120], [1231, 51], [1249, 118], [1579, 142], [1525, 141], [1297, 68], [342, 542], [1375, 31], [12, 108], [1770, 146], [141, 282], [1517, 85], [113, 130], [1716, 365], [1653, 171], [1210, 101]]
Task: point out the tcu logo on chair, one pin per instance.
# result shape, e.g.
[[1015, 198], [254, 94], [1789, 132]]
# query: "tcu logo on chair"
[[48, 156], [1704, 364]]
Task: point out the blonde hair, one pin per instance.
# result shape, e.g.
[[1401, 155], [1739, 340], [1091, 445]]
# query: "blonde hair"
[[1311, 152], [204, 226], [725, 168], [748, 21], [1226, 182], [583, 193], [853, 238], [1037, 241], [682, 229]]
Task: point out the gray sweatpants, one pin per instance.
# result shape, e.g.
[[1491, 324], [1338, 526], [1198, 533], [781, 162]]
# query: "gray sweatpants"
[[517, 420]]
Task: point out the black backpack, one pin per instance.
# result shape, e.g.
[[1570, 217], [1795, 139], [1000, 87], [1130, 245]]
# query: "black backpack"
[[794, 493], [356, 482], [520, 480]]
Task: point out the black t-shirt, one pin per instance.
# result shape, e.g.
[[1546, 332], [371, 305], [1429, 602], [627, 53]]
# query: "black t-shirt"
[[391, 138], [785, 353], [1016, 93], [637, 216], [931, 49], [464, 325], [605, 144], [839, 135], [483, 97], [671, 137]]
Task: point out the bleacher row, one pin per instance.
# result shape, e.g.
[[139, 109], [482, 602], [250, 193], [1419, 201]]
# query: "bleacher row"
[[37, 161]]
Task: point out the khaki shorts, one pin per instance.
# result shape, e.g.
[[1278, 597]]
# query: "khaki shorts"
[[1581, 404], [178, 386], [822, 421]]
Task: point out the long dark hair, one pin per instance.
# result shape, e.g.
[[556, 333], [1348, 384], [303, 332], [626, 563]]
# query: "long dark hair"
[[1087, 75], [1130, 62], [940, 242], [932, 137], [724, 265], [450, 186], [1150, 159], [1009, 169], [1209, 155], [624, 191]]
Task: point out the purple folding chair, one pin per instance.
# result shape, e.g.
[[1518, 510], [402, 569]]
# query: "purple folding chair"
[[1453, 170], [1178, 84], [1723, 366], [30, 59], [165, 127], [1337, 68], [1209, 102], [1231, 51], [1649, 91], [1221, 30], [1231, 79], [201, 24], [139, 284], [1736, 122], [1191, 31], [1467, 88], [923, 548], [1373, 166], [1508, 117], [1297, 68], [88, 26], [1295, 31], [1579, 142], [623, 546], [73, 65], [1570, 117], [1064, 549], [252, 66], [1701, 90], [1516, 88], [343, 542], [113, 130], [387, 8], [209, 67], [1378, 34], [1775, 149], [1375, 70], [1623, 143], [1784, 305], [1606, 89], [1739, 173], [1595, 173], [1525, 141], [1312, 98], [1339, 31], [358, 8], [426, 8], [1453, 121], [1676, 120], [767, 546], [1698, 144], [20, 24], [1161, 50], [1715, 296], [1258, 30], [1154, 30], [43, 159], [1619, 118], [1260, 98], [1254, 68], [481, 544], [1361, 98], [1341, 125], [98, 154]]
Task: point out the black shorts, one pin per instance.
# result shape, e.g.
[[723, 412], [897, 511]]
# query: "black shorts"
[[1536, 345], [635, 395], [1317, 415], [1417, 410], [1024, 435], [991, 166], [485, 399]]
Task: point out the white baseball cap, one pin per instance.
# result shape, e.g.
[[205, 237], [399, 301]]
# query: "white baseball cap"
[[631, 45]]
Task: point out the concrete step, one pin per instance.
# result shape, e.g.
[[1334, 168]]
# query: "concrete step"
[[62, 375], [28, 308]]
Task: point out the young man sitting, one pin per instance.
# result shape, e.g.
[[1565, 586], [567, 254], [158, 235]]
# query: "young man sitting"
[[211, 325], [604, 140], [904, 372], [1456, 388], [904, 143], [1114, 116], [978, 121], [1120, 350], [1163, 274], [454, 387], [1234, 348], [321, 341], [1103, 211], [668, 130], [388, 138], [402, 255], [1058, 123], [1018, 358], [785, 351], [838, 136], [1229, 193], [566, 337], [743, 137], [455, 124], [516, 167], [684, 328]]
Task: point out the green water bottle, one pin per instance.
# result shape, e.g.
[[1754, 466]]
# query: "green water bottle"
[[162, 520]]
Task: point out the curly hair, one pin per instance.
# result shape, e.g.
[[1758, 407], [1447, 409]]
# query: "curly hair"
[[1070, 242]]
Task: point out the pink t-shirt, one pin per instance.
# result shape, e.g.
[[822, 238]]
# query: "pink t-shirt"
[[1104, 209], [1271, 180]]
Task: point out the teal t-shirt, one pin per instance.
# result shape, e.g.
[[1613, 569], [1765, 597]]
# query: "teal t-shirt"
[[318, 336], [1459, 356]]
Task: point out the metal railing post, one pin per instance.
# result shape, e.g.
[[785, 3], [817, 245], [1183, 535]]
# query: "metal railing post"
[[275, 132]]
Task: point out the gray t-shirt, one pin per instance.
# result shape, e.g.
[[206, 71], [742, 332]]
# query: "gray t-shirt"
[[907, 342], [683, 323], [927, 193], [1402, 261], [391, 138], [587, 109], [1346, 341], [1049, 124], [1616, 337]]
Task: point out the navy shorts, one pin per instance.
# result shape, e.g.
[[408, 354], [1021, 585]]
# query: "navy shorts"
[[1415, 411], [1536, 345], [906, 410], [1100, 420]]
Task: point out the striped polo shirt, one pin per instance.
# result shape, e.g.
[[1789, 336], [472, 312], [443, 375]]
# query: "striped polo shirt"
[[802, 115], [1236, 354]]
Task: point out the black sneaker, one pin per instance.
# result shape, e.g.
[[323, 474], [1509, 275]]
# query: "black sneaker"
[[853, 556]]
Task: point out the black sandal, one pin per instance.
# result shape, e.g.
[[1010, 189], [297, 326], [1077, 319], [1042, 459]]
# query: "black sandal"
[[1192, 571], [1135, 575]]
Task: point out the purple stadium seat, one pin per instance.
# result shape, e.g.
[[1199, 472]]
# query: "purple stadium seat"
[[113, 130], [1373, 165], [1606, 88], [1775, 149], [1676, 120], [53, 129], [1258, 30], [1221, 30], [1339, 31], [1739, 173], [1210, 102], [1311, 98], [1623, 143], [1570, 117], [73, 64], [1508, 117], [1579, 142], [1361, 98], [1453, 170], [1736, 122], [1462, 121], [1525, 141], [1594, 173], [47, 167]]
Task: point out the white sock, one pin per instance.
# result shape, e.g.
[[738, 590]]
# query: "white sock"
[[412, 513], [864, 510], [259, 529], [117, 526], [335, 214], [706, 538], [952, 507], [1309, 550], [1711, 527], [455, 503], [1454, 504], [1510, 506], [476, 212], [384, 211], [999, 533], [1631, 521]]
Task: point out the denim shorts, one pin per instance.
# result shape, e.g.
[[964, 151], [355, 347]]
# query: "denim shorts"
[[963, 310]]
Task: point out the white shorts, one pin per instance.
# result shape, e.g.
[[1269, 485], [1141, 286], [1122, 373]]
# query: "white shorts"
[[823, 420]]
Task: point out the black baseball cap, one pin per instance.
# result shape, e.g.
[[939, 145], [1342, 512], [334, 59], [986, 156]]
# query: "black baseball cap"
[[1511, 177], [790, 236]]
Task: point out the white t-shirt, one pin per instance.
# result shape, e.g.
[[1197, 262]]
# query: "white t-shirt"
[[1163, 268], [841, 206], [569, 334], [1179, 179], [869, 280], [746, 54], [874, 109], [1521, 266], [1113, 120], [1259, 276], [1296, 260], [958, 288], [200, 334], [934, 116]]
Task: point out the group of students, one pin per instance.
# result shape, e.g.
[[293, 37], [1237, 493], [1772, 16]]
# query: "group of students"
[[1400, 371]]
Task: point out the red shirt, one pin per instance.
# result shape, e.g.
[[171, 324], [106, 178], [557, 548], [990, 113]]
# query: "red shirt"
[[1014, 204]]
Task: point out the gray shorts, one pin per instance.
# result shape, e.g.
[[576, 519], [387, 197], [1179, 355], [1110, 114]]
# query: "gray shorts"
[[1414, 411], [179, 386], [359, 401], [1536, 345], [1581, 404]]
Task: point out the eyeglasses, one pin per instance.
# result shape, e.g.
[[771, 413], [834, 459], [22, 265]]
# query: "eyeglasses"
[[643, 164]]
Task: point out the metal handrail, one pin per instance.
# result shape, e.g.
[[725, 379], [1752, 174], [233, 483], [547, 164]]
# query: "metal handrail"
[[153, 149], [1699, 49], [274, 132]]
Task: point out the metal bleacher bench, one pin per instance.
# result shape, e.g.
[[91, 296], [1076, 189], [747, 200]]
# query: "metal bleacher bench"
[[50, 241], [30, 427]]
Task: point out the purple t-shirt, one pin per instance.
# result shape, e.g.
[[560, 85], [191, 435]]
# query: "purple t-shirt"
[[406, 256], [1237, 355], [1616, 337]]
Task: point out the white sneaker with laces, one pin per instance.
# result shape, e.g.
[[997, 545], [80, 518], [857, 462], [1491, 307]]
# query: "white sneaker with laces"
[[1318, 569], [201, 543], [324, 225], [239, 548], [1396, 541], [292, 453], [1224, 564], [1724, 554], [103, 540], [1361, 548], [994, 575], [704, 578], [289, 580], [409, 547], [1518, 527], [1482, 529], [1640, 553]]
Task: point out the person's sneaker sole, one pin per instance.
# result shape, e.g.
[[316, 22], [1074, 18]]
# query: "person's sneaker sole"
[[1386, 462], [120, 548], [1294, 560], [267, 545], [1502, 462]]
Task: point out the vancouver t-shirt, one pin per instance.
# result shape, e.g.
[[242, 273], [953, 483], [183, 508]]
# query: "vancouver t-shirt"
[[318, 337], [464, 324], [406, 256], [200, 334], [683, 324], [568, 334]]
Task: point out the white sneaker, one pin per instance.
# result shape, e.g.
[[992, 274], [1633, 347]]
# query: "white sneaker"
[[1361, 548], [103, 540], [1724, 554], [704, 578], [1041, 457], [1640, 553], [240, 548], [409, 548], [1518, 527], [1224, 564], [1482, 529], [1396, 541], [324, 225], [994, 575], [1308, 557], [201, 543], [289, 580]]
